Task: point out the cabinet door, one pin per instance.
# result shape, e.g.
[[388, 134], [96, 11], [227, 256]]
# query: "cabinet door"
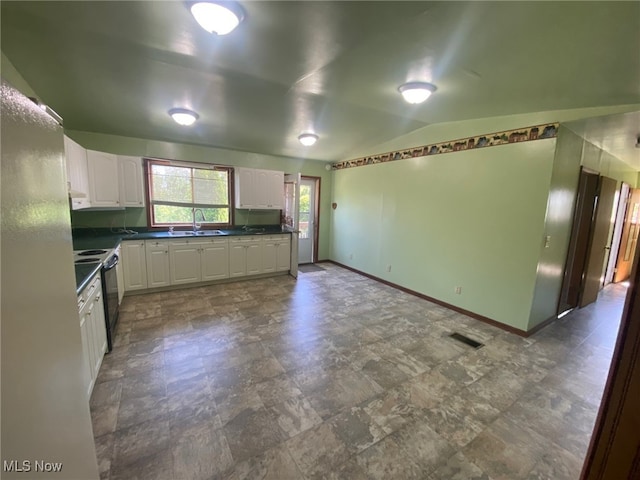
[[283, 255], [120, 275], [269, 255], [276, 190], [237, 259], [87, 346], [77, 174], [99, 329], [261, 189], [254, 258], [184, 262], [157, 257], [103, 179], [131, 181], [91, 328], [244, 185], [134, 265], [215, 260]]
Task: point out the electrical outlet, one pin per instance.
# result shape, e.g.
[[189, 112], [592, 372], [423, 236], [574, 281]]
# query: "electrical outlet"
[[547, 241], [458, 290], [351, 256], [388, 268]]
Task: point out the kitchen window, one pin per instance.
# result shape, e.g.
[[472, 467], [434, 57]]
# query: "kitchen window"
[[176, 188]]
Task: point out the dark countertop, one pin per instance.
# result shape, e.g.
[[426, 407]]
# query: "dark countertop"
[[104, 238], [89, 238], [84, 273]]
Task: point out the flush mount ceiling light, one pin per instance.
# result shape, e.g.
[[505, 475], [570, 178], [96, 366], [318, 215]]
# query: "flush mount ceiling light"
[[308, 139], [182, 116], [416, 92], [217, 17]]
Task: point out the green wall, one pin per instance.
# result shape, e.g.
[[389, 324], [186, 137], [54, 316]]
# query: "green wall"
[[473, 219], [606, 164], [137, 217], [558, 223], [572, 152]]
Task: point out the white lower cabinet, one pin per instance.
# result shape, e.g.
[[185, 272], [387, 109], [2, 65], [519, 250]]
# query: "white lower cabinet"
[[245, 256], [283, 253], [120, 274], [184, 261], [160, 263], [215, 259], [93, 330], [157, 259], [134, 265], [198, 260], [276, 253]]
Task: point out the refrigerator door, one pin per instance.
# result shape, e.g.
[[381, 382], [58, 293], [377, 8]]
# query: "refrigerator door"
[[45, 413]]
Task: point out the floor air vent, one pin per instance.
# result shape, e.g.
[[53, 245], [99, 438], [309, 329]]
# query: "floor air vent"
[[467, 340]]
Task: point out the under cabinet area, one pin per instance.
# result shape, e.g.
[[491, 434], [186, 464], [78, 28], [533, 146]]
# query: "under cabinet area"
[[149, 264], [93, 331]]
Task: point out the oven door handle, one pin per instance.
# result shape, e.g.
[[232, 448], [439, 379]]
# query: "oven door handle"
[[111, 263]]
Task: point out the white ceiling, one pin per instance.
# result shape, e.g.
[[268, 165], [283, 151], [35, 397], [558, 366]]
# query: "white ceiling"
[[328, 67]]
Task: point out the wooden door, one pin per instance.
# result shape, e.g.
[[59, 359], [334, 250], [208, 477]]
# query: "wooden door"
[[616, 238], [629, 237], [602, 224], [614, 452], [579, 243]]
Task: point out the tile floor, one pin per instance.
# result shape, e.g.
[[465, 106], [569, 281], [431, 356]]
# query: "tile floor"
[[337, 376]]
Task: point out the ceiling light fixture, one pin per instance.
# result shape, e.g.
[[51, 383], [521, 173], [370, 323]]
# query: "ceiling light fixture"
[[217, 17], [182, 116], [308, 139], [416, 92]]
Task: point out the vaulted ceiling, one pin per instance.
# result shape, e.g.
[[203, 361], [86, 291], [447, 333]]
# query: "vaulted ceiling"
[[328, 67]]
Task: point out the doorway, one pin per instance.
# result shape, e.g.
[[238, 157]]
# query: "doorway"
[[629, 237], [309, 216], [590, 241]]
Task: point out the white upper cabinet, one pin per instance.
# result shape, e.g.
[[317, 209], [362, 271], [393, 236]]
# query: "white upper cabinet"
[[77, 174], [259, 189], [131, 181], [244, 184], [275, 194], [103, 179]]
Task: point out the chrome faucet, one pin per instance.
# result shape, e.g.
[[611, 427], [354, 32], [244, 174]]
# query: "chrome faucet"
[[196, 226]]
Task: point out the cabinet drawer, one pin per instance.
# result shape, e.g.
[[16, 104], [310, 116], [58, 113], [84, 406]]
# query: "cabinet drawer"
[[157, 243], [277, 238], [245, 239]]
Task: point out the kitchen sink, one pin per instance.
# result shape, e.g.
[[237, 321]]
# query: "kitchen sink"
[[199, 233]]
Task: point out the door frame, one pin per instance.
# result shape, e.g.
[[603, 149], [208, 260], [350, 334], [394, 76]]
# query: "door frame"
[[616, 239], [316, 214], [580, 240], [614, 451]]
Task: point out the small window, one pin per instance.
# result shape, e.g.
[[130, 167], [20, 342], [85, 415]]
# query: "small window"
[[176, 188]]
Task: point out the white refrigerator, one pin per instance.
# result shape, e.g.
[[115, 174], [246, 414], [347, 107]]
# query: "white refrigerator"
[[45, 415]]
